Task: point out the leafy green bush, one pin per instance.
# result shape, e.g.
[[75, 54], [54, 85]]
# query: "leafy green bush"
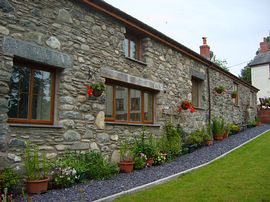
[[80, 166], [197, 137], [98, 167], [145, 145], [140, 161], [234, 129], [8, 179], [171, 142]]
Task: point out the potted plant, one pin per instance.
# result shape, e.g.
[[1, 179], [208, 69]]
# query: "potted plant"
[[234, 94], [37, 176], [219, 89], [150, 151], [95, 89], [126, 158], [258, 121], [207, 137], [186, 105], [218, 128], [226, 131]]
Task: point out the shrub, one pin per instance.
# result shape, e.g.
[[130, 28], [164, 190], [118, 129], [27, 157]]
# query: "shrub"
[[234, 128], [8, 179], [159, 158], [80, 166], [171, 142], [140, 161], [98, 167], [64, 176], [145, 145], [197, 137]]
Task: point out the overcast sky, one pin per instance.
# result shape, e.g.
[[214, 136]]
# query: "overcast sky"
[[234, 28]]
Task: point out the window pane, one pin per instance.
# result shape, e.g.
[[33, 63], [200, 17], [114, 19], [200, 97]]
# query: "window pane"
[[121, 98], [133, 49], [109, 101], [19, 90], [126, 47], [196, 92], [135, 105], [148, 107], [23, 106], [42, 95]]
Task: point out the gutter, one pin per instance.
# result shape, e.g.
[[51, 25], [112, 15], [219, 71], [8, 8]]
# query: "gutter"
[[141, 27]]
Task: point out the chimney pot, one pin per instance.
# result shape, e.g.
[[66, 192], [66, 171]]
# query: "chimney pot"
[[204, 40], [205, 49]]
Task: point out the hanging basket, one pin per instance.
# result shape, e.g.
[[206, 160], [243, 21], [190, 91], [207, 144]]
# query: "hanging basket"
[[97, 93]]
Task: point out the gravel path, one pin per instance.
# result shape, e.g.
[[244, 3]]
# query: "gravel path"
[[98, 189]]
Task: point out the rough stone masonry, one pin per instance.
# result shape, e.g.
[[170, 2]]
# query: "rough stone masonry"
[[76, 40]]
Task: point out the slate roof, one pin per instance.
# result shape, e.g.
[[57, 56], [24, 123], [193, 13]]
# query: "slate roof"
[[261, 58]]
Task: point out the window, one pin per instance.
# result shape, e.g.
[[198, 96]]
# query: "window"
[[236, 100], [132, 47], [31, 96], [196, 91], [129, 104]]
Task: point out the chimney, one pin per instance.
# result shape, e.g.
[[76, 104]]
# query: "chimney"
[[263, 46], [205, 49]]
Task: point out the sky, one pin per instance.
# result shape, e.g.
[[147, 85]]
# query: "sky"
[[234, 28]]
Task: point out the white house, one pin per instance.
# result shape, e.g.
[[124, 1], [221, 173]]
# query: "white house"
[[260, 70]]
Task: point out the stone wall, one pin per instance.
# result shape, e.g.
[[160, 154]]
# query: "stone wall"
[[89, 41]]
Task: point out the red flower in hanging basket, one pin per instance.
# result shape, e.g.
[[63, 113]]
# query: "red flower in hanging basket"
[[89, 91], [185, 105]]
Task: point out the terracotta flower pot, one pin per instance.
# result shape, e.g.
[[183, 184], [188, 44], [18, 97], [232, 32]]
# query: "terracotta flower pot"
[[225, 135], [97, 93], [126, 166], [234, 95], [37, 186], [150, 162], [209, 142], [218, 137], [258, 123]]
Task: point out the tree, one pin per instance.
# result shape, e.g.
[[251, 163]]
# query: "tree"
[[221, 63], [246, 74]]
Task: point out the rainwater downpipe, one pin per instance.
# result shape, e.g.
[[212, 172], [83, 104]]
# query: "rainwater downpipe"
[[209, 96]]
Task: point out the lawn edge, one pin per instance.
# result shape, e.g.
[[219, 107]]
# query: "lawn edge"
[[166, 179]]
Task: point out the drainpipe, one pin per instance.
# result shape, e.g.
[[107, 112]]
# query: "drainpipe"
[[209, 95]]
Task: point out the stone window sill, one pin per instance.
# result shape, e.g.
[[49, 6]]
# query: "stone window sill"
[[138, 61], [199, 108], [34, 126], [132, 124]]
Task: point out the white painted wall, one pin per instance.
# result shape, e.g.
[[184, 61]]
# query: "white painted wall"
[[260, 78]]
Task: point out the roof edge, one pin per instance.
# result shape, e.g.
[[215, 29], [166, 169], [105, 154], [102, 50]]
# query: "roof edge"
[[125, 18]]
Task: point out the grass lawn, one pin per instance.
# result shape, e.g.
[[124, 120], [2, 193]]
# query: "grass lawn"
[[243, 175]]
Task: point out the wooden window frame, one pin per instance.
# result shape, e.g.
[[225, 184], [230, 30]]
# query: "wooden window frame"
[[199, 91], [35, 66], [138, 46], [129, 87], [236, 88]]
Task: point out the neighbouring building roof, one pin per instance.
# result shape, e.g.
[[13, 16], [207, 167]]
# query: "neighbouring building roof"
[[260, 59], [146, 30]]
